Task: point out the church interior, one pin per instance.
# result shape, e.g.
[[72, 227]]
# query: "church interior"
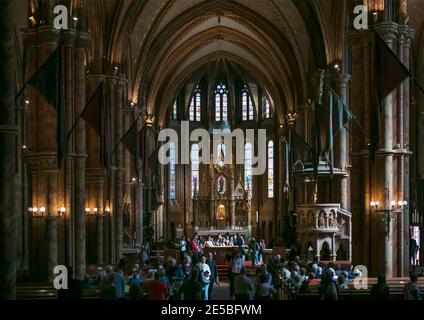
[[88, 87]]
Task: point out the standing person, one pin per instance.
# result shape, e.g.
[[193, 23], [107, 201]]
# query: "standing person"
[[253, 251], [205, 272], [192, 288], [183, 248], [236, 264], [157, 288], [411, 291], [328, 289], [380, 291], [213, 275], [243, 286], [413, 246], [265, 290]]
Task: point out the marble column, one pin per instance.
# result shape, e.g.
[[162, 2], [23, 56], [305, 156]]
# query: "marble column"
[[8, 133]]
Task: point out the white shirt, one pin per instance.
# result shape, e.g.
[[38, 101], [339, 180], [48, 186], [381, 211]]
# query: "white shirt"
[[204, 267]]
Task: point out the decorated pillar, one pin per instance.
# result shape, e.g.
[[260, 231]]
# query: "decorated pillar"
[[8, 133], [79, 164], [379, 231], [119, 203], [342, 82]]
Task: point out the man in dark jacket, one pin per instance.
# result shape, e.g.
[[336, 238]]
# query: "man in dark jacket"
[[214, 273]]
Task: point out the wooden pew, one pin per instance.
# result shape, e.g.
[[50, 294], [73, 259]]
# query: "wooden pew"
[[396, 286], [46, 291]]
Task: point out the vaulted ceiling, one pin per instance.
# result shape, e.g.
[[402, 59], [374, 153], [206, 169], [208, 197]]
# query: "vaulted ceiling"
[[159, 44]]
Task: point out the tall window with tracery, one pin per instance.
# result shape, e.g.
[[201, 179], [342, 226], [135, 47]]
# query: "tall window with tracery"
[[194, 169], [195, 105], [247, 110], [172, 171], [267, 109], [270, 169], [221, 102], [174, 111], [248, 183]]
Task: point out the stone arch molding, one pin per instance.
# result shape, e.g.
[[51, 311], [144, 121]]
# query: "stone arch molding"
[[158, 37]]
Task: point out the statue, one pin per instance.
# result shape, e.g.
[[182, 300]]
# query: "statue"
[[221, 185], [321, 220], [331, 221]]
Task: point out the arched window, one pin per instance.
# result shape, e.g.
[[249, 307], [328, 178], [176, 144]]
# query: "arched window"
[[221, 102], [247, 111], [270, 169], [195, 105], [174, 111], [267, 113], [248, 184], [172, 171], [194, 169]]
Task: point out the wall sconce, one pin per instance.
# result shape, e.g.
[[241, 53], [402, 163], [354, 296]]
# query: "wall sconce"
[[37, 212], [62, 211], [87, 211], [291, 118], [388, 212]]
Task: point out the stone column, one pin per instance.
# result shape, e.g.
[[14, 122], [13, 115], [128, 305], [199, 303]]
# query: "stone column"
[[127, 164], [385, 158], [110, 83], [8, 133], [52, 244], [212, 214], [79, 215], [139, 194], [99, 224], [406, 36], [52, 211], [342, 83], [119, 90], [364, 249], [232, 204]]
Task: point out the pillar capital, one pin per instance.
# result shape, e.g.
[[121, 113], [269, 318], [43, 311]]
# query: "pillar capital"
[[406, 34], [388, 31], [342, 79]]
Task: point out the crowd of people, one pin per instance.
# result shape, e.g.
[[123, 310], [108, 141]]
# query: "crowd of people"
[[196, 276]]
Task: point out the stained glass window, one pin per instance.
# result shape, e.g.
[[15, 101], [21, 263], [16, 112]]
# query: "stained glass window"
[[267, 109], [248, 183], [174, 111], [194, 169], [270, 169], [172, 171], [195, 105], [247, 111], [221, 102]]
